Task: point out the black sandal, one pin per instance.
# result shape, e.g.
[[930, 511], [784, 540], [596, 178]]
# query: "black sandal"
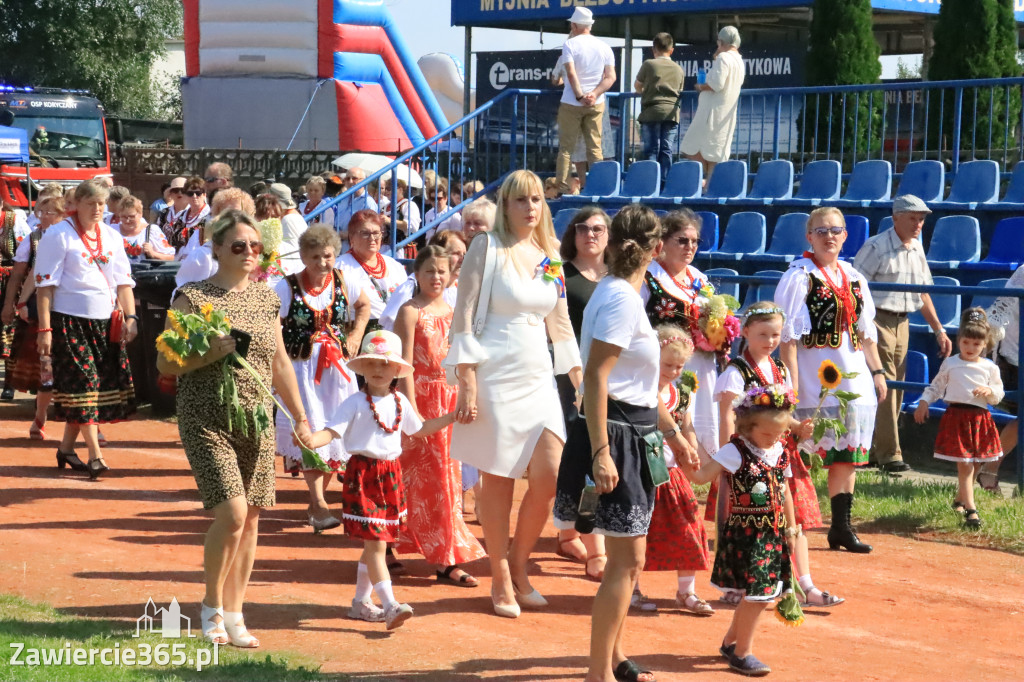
[[974, 523], [629, 671], [464, 580], [958, 506]]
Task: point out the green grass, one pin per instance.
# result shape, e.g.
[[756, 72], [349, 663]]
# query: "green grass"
[[893, 505], [40, 626]]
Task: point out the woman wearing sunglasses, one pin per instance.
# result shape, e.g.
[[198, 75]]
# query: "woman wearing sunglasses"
[[234, 469], [830, 316], [189, 230]]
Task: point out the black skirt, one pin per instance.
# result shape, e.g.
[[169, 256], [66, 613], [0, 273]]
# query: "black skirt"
[[626, 510]]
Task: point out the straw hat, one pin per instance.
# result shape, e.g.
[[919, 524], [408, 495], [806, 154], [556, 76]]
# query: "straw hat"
[[380, 345]]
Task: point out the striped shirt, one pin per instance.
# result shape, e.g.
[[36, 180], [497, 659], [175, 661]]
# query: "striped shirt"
[[885, 258]]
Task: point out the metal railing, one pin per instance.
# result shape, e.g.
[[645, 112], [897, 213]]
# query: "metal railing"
[[991, 292]]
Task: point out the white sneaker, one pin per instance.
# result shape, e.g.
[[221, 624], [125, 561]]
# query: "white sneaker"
[[366, 610], [397, 614]]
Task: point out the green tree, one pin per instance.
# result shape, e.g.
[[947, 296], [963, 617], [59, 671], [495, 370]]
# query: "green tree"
[[976, 39], [842, 50], [106, 46]]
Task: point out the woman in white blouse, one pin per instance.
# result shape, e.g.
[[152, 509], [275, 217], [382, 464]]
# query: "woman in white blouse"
[[367, 269], [509, 416], [82, 275], [620, 408]]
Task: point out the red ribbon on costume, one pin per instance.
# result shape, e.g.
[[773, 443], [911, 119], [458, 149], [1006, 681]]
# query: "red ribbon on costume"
[[330, 356]]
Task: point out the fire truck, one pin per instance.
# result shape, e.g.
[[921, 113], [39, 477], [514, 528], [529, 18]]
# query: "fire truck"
[[67, 139]]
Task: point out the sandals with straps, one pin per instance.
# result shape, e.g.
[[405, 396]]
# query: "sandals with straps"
[[974, 523], [629, 671], [694, 604], [213, 631], [597, 576], [827, 599], [36, 432], [239, 635], [578, 558], [464, 580]]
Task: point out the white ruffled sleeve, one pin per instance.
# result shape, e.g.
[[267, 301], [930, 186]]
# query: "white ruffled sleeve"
[[465, 349], [1004, 310], [563, 339], [791, 296], [937, 388], [866, 322]]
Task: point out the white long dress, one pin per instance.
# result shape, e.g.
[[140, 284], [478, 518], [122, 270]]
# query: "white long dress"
[[711, 130], [791, 295], [516, 395], [701, 363]]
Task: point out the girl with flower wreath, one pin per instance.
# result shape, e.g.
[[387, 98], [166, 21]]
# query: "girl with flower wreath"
[[322, 327], [674, 293], [755, 366], [829, 339], [753, 550]]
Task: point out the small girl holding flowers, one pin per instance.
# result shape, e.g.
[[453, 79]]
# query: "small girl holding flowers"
[[752, 555]]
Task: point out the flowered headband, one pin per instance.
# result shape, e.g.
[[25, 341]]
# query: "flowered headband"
[[774, 310], [687, 343], [772, 397]]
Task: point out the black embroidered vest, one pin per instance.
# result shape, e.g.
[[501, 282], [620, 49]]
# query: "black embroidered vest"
[[664, 307], [300, 325], [750, 378], [824, 309], [752, 505]]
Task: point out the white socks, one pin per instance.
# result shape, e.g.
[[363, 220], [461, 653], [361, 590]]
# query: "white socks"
[[687, 583], [364, 588], [384, 593], [805, 582]]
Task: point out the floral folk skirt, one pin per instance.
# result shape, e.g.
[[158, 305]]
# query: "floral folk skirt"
[[676, 540], [967, 433], [751, 560], [92, 381], [373, 501]]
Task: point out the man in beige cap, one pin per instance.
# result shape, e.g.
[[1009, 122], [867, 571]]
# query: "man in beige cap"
[[292, 227], [896, 256], [589, 67]]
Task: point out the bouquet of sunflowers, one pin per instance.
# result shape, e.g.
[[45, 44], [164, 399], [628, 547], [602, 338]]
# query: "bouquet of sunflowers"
[[189, 335], [271, 234], [716, 326]]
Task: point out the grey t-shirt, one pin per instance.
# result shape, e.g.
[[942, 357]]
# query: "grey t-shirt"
[[662, 79]]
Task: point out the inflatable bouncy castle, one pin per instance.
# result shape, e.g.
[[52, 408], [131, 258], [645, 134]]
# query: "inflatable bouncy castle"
[[307, 74], [446, 77]]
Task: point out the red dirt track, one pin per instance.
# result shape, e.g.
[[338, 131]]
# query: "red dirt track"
[[916, 610]]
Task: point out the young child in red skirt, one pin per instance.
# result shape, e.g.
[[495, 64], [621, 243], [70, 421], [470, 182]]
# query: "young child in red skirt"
[[969, 383], [753, 367], [676, 540], [371, 424]]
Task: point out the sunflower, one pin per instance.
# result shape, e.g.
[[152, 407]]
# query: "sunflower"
[[829, 375], [206, 309]]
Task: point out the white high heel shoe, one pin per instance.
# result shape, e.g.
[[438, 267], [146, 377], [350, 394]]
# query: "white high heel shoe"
[[506, 610], [213, 631], [533, 600], [238, 634]]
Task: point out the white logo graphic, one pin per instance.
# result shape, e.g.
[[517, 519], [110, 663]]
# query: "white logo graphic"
[[169, 621], [499, 76]]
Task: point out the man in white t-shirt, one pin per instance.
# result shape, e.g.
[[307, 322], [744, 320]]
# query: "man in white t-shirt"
[[589, 72]]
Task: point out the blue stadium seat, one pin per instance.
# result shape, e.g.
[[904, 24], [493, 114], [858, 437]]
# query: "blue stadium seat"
[[917, 371], [708, 231], [728, 181], [976, 182], [643, 180], [744, 234], [730, 288], [884, 224], [819, 183], [1006, 248], [762, 292], [774, 180], [982, 301], [789, 239], [856, 235], [1014, 197], [924, 179], [603, 180], [955, 240], [684, 181], [947, 307], [870, 181], [562, 220]]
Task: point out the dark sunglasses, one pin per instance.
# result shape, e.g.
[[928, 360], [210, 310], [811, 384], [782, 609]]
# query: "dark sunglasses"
[[238, 247], [195, 193]]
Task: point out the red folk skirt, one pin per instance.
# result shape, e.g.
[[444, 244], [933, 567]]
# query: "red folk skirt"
[[967, 433], [676, 540], [373, 501]]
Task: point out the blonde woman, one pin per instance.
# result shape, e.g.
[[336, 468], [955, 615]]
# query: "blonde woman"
[[508, 412]]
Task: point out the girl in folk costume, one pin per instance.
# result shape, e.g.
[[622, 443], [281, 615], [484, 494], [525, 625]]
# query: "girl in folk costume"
[[969, 383], [433, 481], [370, 425], [755, 366], [753, 550], [322, 326], [315, 188], [13, 229], [676, 540], [26, 367], [670, 295], [830, 316]]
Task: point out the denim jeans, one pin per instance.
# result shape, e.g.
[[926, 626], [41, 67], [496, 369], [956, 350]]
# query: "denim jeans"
[[660, 143]]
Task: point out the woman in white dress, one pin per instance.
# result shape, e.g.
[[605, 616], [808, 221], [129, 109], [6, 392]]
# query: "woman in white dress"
[[830, 316], [709, 137], [509, 416], [670, 294], [322, 327], [366, 269]]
